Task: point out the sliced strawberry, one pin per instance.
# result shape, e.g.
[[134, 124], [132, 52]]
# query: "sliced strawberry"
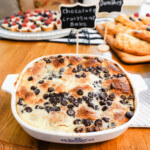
[[14, 23], [33, 26], [26, 20], [20, 13], [24, 24], [17, 19], [5, 21], [47, 22], [136, 14], [58, 22], [12, 16], [147, 15]]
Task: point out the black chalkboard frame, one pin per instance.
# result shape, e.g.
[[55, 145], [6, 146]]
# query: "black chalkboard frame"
[[109, 11], [82, 5]]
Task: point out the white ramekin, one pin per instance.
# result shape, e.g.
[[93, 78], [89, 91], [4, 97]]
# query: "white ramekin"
[[73, 138]]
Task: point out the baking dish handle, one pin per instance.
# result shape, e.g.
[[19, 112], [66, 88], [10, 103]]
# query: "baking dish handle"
[[8, 84], [138, 82]]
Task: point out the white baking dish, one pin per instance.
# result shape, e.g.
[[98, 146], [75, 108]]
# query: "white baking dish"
[[72, 138]]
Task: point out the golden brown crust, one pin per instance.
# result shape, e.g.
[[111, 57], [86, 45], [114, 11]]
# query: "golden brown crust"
[[131, 45], [141, 34], [74, 94]]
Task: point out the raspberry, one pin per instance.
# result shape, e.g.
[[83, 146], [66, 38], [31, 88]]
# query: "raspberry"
[[28, 12], [33, 26], [50, 14], [20, 13], [51, 19], [41, 18], [26, 20], [47, 22], [13, 24], [31, 15], [17, 19], [136, 14], [12, 16], [24, 24], [147, 15], [58, 22], [45, 10], [37, 11], [5, 21], [26, 15]]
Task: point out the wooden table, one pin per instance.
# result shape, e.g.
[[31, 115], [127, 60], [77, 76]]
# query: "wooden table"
[[14, 56]]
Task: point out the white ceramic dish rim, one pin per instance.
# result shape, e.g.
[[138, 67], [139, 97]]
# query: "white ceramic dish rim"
[[24, 124]]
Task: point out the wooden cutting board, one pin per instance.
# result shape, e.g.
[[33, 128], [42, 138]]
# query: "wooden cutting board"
[[125, 57]]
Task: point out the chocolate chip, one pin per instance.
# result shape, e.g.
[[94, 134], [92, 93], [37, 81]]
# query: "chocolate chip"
[[61, 60], [74, 70], [131, 19], [139, 19], [41, 82], [37, 106], [45, 96], [47, 103], [86, 57], [64, 102], [47, 60], [114, 35], [104, 89], [96, 128], [96, 107], [106, 75], [78, 129], [109, 103], [89, 129], [99, 60], [129, 114], [102, 97], [56, 108], [90, 104], [131, 109], [80, 92], [104, 108], [91, 94], [70, 106], [36, 91], [70, 112], [112, 86], [105, 119], [48, 109], [76, 104], [83, 75], [123, 97], [59, 56], [77, 76], [28, 109], [112, 96], [87, 122], [20, 101], [33, 87], [102, 103], [131, 97], [71, 99], [77, 121], [50, 89], [62, 70], [79, 67], [79, 100], [98, 122], [30, 78], [69, 65], [148, 28], [105, 71]]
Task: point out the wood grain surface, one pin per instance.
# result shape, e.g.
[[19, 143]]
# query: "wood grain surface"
[[14, 56]]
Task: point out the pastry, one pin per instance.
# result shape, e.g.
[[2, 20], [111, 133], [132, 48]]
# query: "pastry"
[[74, 94]]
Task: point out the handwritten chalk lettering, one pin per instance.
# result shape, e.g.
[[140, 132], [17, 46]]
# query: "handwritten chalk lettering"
[[110, 5], [78, 16]]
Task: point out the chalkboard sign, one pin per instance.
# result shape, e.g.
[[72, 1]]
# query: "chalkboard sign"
[[110, 5], [78, 16]]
